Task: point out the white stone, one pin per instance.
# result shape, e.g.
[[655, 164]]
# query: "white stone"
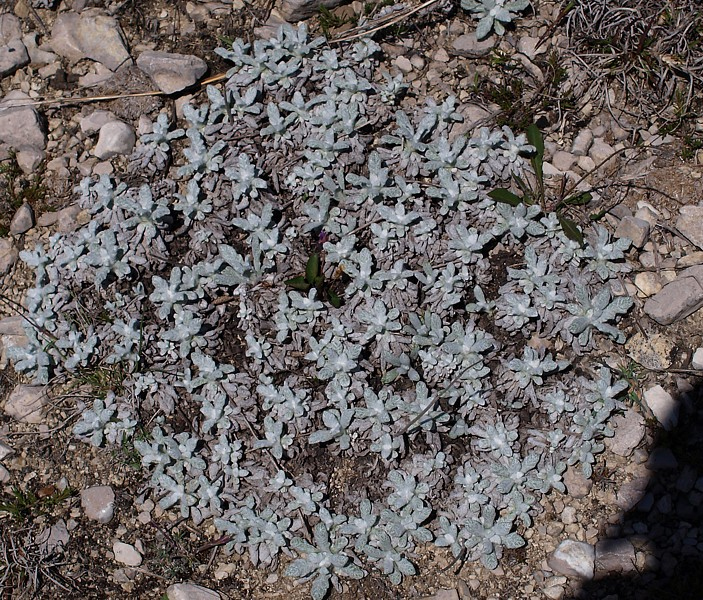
[[697, 360], [98, 503], [573, 559], [663, 406], [191, 591], [116, 137], [582, 142], [25, 403], [54, 538], [126, 554]]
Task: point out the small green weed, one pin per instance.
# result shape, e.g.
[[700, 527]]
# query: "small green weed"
[[23, 505], [15, 189], [635, 375], [329, 20], [534, 192], [315, 278]]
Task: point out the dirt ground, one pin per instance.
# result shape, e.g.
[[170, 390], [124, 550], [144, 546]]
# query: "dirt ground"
[[50, 467]]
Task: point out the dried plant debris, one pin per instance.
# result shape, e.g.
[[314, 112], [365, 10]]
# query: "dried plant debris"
[[651, 50], [403, 342]]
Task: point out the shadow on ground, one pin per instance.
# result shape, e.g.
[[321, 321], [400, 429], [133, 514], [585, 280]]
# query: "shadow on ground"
[[665, 523]]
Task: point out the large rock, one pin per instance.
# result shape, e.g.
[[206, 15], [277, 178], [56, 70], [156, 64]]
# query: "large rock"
[[171, 72], [13, 56], [615, 556], [690, 224], [92, 34], [629, 431], [663, 406], [678, 298], [20, 124], [23, 219], [25, 403], [573, 559], [116, 138], [98, 503], [190, 591], [10, 28]]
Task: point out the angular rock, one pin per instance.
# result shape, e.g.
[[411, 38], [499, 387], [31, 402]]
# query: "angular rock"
[[126, 554], [4, 475], [92, 34], [92, 122], [13, 56], [690, 224], [8, 255], [5, 451], [663, 405], [7, 342], [10, 28], [67, 220], [98, 503], [297, 10], [582, 142], [28, 159], [697, 360], [20, 124], [36, 55], [631, 492], [600, 150], [563, 160], [468, 45], [171, 72], [23, 220], [577, 485], [191, 591], [12, 326], [25, 403], [648, 284], [635, 229], [116, 138], [573, 559], [629, 431], [615, 556], [679, 298], [404, 64]]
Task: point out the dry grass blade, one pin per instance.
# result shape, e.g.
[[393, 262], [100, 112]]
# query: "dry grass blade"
[[381, 23], [28, 565]]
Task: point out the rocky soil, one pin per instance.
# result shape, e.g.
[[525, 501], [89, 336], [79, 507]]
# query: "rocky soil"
[[82, 80]]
